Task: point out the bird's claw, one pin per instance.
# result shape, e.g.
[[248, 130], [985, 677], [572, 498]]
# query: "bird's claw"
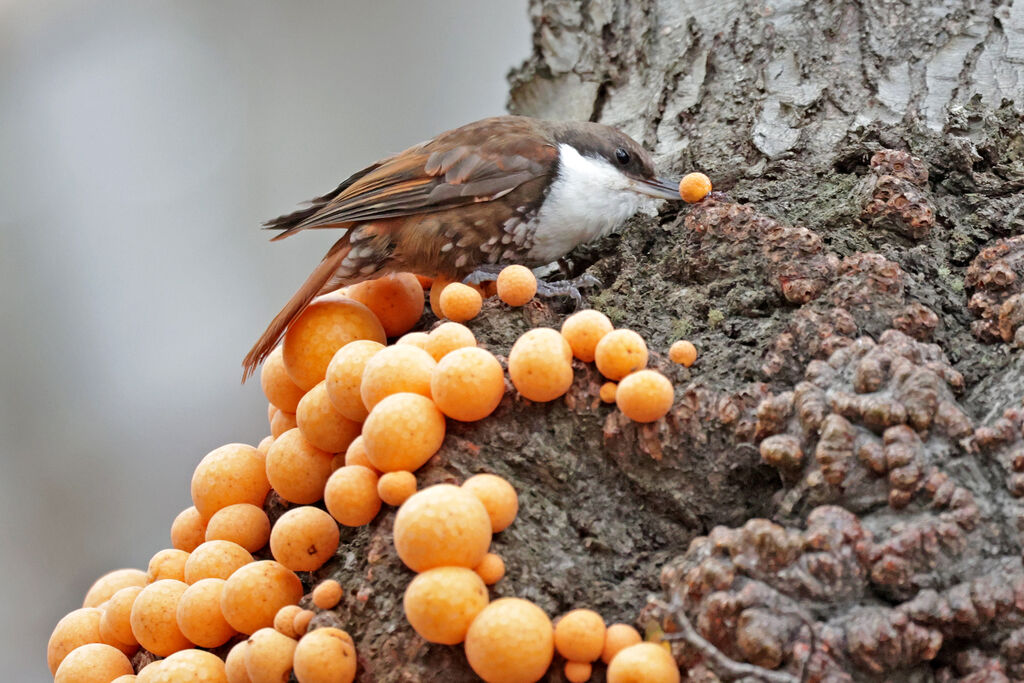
[[485, 273], [570, 288]]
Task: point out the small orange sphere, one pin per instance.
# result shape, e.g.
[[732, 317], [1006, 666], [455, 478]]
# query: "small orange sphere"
[[351, 495], [516, 285], [75, 629], [643, 663], [394, 488], [215, 560], [264, 445], [468, 384], [321, 424], [327, 594], [399, 368], [278, 387], [268, 656], [583, 330], [326, 655], [694, 187], [188, 529], [644, 396], [396, 300], [460, 302], [441, 603], [498, 497], [154, 617], [241, 523], [540, 365], [683, 352], [254, 593], [304, 538], [617, 637], [578, 672], [129, 678], [608, 390], [447, 337], [281, 422], [284, 620], [402, 432], [579, 635], [199, 616], [319, 331], [110, 583], [345, 377], [619, 353], [436, 289], [234, 664], [167, 564], [356, 455], [297, 469], [510, 641], [191, 665], [231, 474], [441, 526], [302, 620], [91, 663], [415, 338], [491, 569], [116, 622]]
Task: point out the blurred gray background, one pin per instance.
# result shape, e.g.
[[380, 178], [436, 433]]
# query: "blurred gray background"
[[141, 146]]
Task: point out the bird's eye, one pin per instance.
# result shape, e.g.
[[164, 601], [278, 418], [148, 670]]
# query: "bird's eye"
[[622, 156]]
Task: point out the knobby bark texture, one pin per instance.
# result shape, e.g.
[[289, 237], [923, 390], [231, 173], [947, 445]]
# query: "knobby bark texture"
[[836, 492]]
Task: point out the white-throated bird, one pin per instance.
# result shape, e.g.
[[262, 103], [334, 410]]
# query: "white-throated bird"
[[508, 189]]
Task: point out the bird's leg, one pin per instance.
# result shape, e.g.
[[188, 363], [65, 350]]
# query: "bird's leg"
[[485, 273], [570, 288]]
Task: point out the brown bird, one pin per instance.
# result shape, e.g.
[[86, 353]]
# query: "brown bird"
[[508, 189]]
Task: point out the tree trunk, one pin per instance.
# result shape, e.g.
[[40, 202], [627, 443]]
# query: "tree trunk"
[[855, 290]]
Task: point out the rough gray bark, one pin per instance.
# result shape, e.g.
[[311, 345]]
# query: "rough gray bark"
[[858, 352]]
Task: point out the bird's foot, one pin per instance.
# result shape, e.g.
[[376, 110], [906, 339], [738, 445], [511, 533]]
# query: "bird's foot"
[[570, 288], [485, 273]]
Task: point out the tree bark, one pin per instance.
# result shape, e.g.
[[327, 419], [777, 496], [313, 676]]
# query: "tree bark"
[[834, 495]]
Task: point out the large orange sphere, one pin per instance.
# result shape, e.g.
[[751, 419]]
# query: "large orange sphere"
[[510, 641], [227, 475], [396, 300], [402, 432], [540, 365], [442, 526]]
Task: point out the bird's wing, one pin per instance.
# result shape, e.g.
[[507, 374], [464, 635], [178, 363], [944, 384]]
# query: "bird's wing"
[[493, 157]]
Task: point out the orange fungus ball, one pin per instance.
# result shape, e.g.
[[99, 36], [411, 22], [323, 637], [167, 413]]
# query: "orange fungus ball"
[[116, 622], [297, 469], [241, 523], [440, 526], [215, 560], [540, 365], [345, 376], [281, 422], [284, 620], [491, 569], [583, 330], [192, 665], [644, 396], [415, 338], [617, 637], [254, 593], [304, 538], [683, 352], [268, 656], [398, 368], [199, 615], [608, 390], [321, 424], [234, 664], [643, 663], [468, 384], [578, 672], [402, 432], [498, 497], [319, 331], [396, 300], [326, 655], [516, 285], [327, 594], [619, 353], [77, 628], [694, 187], [394, 488], [441, 603], [231, 474], [93, 662], [460, 302], [167, 564], [579, 635], [510, 641], [188, 530], [436, 289], [351, 495], [302, 619], [278, 387], [154, 617], [447, 337], [356, 455], [110, 583]]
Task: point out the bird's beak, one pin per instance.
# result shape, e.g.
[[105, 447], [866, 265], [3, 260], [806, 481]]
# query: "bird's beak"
[[660, 188]]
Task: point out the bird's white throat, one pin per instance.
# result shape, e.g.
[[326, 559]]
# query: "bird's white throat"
[[588, 199]]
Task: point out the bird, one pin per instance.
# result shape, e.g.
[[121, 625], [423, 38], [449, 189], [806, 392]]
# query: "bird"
[[501, 190]]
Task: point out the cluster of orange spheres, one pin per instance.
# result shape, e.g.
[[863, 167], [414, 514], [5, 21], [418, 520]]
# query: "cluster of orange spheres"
[[351, 419]]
